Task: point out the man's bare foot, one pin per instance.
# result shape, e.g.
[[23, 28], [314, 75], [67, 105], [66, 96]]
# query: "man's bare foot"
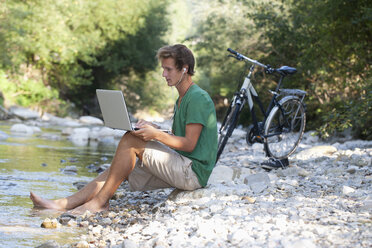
[[92, 206], [40, 202]]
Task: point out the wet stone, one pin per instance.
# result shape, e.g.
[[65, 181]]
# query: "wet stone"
[[50, 223], [49, 244], [80, 185]]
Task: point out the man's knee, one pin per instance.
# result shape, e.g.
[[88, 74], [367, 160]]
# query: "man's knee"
[[132, 141], [128, 137]]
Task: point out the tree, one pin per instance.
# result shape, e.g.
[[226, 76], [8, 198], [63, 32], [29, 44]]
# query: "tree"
[[77, 46], [329, 41]]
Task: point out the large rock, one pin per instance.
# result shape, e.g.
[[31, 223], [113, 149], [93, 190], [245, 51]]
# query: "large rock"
[[90, 120], [58, 121], [24, 129], [49, 244], [80, 136], [4, 114], [103, 133], [316, 152], [257, 182], [23, 113], [221, 174]]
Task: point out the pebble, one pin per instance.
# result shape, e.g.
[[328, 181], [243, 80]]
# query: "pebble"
[[70, 170], [346, 190], [50, 223], [82, 244], [49, 244], [323, 199]]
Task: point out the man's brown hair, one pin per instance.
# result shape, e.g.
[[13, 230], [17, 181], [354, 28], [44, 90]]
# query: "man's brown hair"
[[181, 55]]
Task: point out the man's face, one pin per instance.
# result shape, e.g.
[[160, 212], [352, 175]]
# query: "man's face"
[[170, 72]]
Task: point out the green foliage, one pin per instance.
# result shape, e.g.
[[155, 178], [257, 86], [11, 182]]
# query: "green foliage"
[[221, 25], [327, 41], [78, 46], [149, 93], [355, 113], [224, 24], [25, 92]]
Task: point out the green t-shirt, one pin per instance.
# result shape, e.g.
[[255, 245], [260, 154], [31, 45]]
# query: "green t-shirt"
[[197, 107]]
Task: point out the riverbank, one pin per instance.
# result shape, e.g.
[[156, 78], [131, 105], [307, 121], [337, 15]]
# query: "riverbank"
[[323, 199]]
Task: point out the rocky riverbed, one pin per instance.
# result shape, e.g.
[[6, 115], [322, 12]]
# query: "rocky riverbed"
[[323, 199]]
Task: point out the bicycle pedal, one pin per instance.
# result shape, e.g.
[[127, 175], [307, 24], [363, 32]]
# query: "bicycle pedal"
[[258, 139]]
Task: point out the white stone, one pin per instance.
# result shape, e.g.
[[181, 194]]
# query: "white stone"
[[97, 230], [24, 113], [367, 203], [346, 190], [205, 229], [240, 235], [303, 243], [257, 182], [22, 128], [80, 136], [82, 244], [58, 121], [221, 174], [316, 152], [90, 120]]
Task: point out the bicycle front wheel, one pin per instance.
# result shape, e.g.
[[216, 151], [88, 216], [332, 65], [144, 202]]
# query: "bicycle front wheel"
[[227, 127], [284, 128]]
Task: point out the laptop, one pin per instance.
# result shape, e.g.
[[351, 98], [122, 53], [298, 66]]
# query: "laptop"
[[114, 110]]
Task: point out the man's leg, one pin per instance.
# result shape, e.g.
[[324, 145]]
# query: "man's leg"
[[96, 194], [122, 165], [70, 202]]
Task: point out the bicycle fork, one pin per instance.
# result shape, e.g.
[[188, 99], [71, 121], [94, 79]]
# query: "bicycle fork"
[[248, 92]]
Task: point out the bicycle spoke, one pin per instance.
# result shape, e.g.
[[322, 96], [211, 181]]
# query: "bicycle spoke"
[[285, 129]]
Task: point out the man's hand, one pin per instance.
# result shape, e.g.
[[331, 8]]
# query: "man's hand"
[[146, 132], [142, 123]]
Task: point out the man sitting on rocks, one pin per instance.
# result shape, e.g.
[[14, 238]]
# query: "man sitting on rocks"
[[183, 159]]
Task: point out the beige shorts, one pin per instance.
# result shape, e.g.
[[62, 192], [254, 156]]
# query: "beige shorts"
[[162, 167]]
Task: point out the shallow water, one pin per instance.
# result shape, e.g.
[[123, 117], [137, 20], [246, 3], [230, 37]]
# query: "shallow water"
[[34, 163]]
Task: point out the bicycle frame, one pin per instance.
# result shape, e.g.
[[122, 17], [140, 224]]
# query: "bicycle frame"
[[248, 93]]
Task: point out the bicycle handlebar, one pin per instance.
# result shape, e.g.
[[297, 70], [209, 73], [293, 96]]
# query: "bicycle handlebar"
[[239, 56]]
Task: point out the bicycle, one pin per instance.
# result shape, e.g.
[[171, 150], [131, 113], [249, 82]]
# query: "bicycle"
[[283, 123]]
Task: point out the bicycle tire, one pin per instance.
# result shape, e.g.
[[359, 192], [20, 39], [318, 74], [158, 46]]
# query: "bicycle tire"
[[228, 126], [284, 128]]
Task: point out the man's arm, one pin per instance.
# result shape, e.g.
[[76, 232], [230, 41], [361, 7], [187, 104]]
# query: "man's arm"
[[186, 144]]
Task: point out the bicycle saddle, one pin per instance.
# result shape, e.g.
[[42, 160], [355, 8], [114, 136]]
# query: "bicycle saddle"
[[286, 70]]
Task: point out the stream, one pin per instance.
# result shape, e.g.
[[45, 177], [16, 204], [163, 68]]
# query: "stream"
[[35, 163]]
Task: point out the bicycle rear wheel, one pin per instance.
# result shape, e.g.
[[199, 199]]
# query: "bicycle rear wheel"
[[227, 127], [284, 128]]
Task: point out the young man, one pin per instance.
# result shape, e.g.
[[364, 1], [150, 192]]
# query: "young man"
[[183, 159]]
